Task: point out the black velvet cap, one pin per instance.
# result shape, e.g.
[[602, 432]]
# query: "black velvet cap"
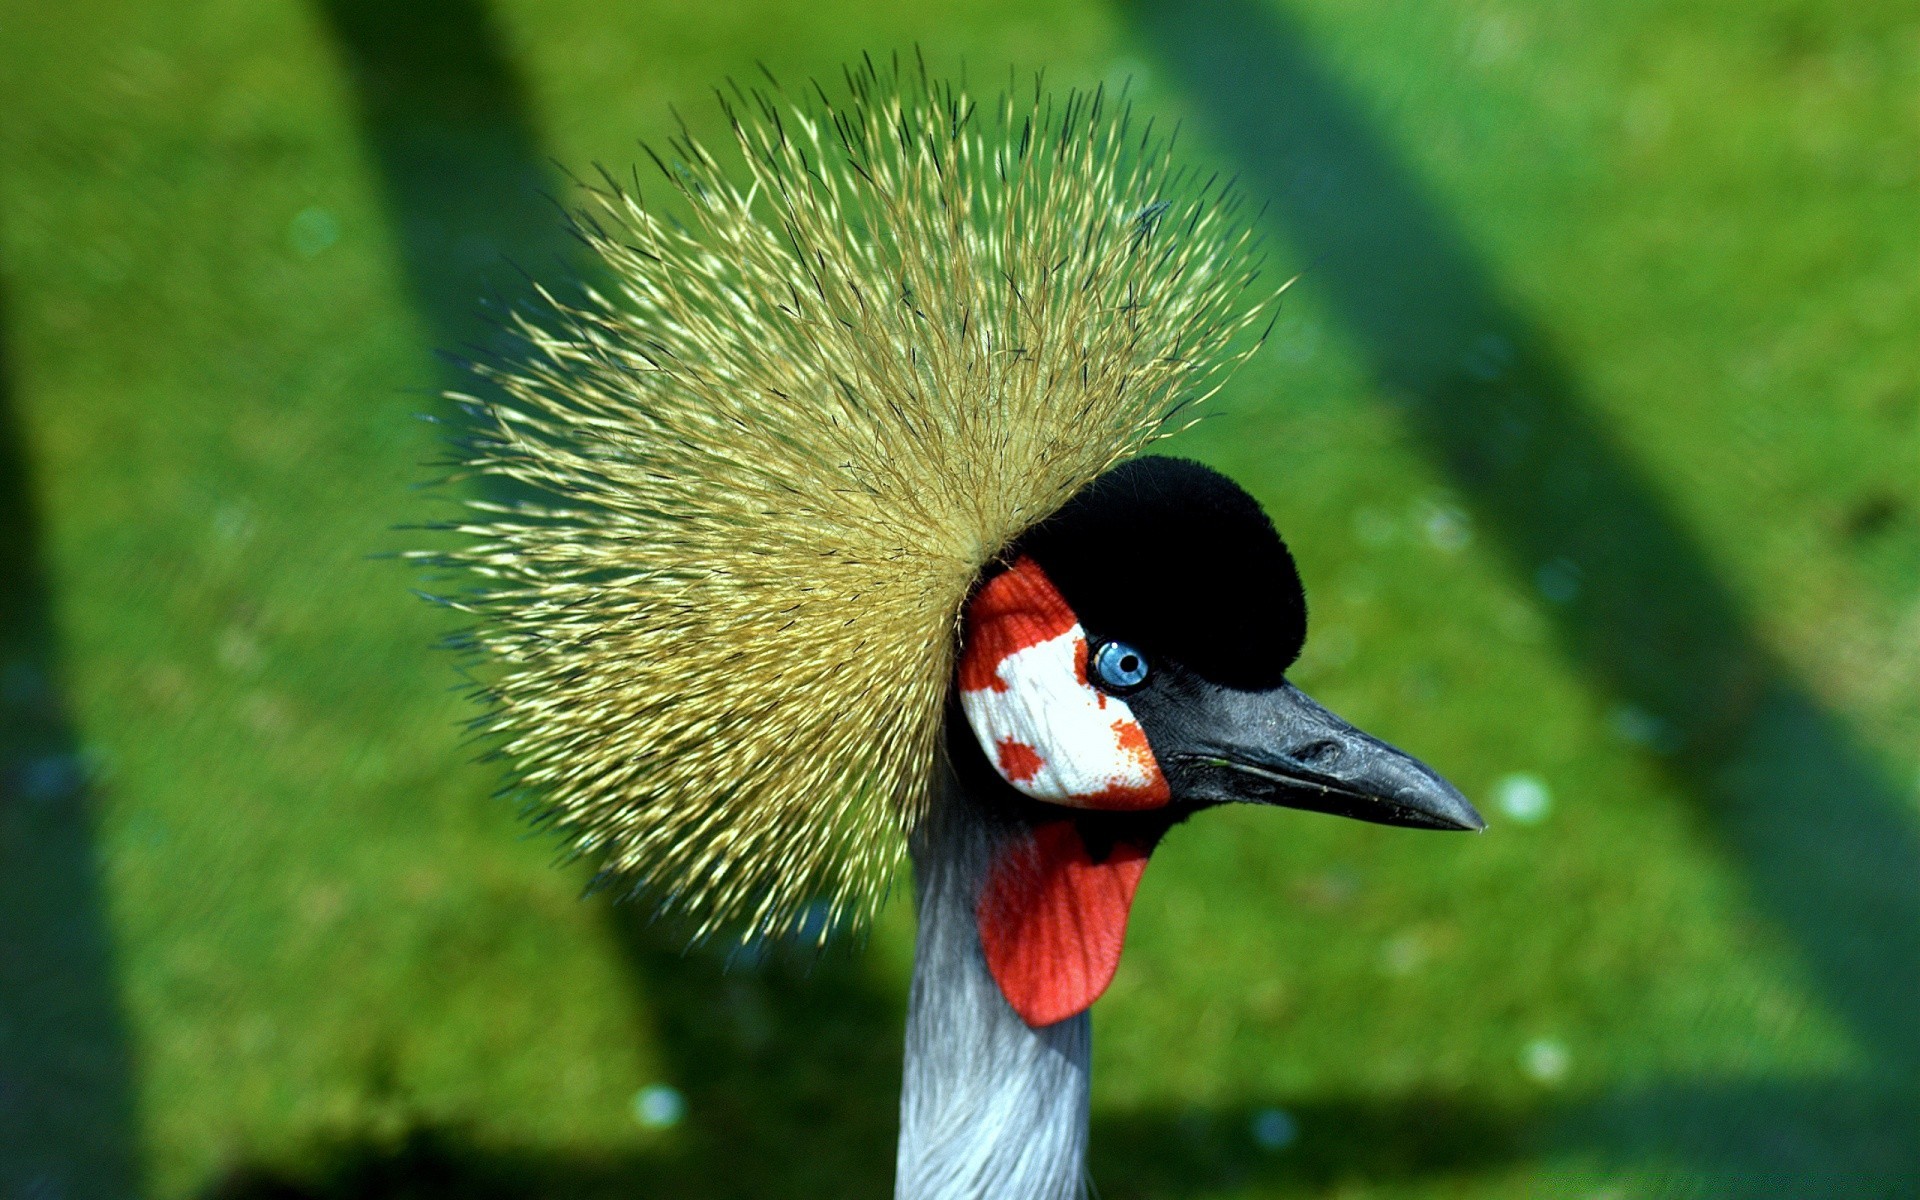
[[1177, 560]]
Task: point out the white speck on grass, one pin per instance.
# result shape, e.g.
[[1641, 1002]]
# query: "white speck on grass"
[[1523, 797], [1558, 581], [1487, 41], [1639, 727], [1404, 953], [1274, 1129], [1300, 341], [1448, 528], [51, 777], [313, 230], [240, 651], [1545, 1061], [233, 523], [658, 1106]]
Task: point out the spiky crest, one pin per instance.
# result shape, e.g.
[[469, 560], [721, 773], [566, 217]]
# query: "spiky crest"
[[783, 442]]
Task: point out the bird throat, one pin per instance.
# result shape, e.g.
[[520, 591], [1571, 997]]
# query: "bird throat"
[[1052, 917]]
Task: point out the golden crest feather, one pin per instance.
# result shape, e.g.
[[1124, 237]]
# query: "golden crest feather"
[[780, 444]]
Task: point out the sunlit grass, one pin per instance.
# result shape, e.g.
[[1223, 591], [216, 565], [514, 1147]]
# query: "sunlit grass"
[[326, 938]]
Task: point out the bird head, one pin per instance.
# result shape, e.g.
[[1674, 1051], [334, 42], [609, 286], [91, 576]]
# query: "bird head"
[[1123, 667], [839, 453]]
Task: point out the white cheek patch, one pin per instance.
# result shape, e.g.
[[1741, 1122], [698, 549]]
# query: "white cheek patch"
[[1046, 729]]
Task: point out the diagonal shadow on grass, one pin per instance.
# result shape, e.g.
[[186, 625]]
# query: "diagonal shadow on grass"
[[1171, 1155], [446, 117], [1341, 1142], [1828, 846], [1147, 1153], [66, 1072], [790, 1065]]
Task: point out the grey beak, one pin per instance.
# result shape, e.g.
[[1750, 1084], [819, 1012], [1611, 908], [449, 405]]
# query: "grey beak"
[[1280, 747]]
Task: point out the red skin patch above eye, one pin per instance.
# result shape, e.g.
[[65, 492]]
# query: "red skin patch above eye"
[[1052, 921], [1017, 608]]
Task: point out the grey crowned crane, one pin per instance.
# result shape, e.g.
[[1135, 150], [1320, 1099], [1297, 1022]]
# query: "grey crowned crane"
[[847, 550], [1124, 670]]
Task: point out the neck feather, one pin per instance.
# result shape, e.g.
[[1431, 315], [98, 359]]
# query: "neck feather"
[[989, 1106]]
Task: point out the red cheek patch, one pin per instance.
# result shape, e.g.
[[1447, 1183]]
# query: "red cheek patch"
[[1052, 921]]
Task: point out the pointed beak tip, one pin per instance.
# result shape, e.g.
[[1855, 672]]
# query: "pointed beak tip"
[[1459, 814], [1282, 748], [1448, 820]]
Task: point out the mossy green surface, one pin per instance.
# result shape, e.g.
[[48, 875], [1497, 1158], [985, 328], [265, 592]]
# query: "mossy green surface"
[[1604, 470]]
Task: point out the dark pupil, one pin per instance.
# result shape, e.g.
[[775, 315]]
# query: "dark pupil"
[[1129, 665]]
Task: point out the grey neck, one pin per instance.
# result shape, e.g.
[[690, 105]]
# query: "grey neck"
[[989, 1106]]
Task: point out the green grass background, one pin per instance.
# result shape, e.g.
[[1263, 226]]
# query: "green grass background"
[[1593, 419]]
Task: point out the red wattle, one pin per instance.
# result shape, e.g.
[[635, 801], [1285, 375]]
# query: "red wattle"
[[1052, 921]]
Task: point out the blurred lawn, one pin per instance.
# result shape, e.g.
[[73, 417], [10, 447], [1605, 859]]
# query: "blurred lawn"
[[1594, 420]]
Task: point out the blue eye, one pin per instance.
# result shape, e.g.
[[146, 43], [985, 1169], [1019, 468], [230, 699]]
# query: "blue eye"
[[1118, 667]]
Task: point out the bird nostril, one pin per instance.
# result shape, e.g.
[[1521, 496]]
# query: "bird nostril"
[[1313, 752]]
